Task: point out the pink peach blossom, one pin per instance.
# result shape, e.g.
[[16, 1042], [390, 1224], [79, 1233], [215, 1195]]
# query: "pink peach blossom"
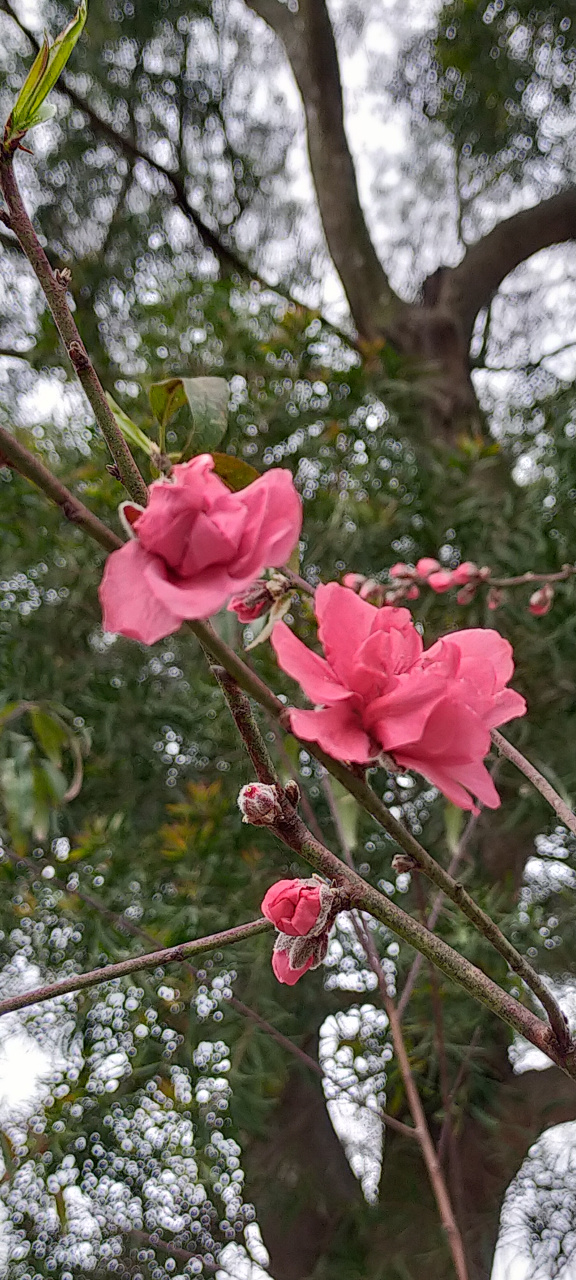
[[378, 691], [195, 545], [295, 906]]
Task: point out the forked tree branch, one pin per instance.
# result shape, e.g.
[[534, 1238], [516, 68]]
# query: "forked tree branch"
[[308, 39], [471, 285]]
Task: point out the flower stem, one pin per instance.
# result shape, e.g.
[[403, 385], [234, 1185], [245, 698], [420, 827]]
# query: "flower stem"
[[55, 293]]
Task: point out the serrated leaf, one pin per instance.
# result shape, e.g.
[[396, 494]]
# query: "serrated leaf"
[[131, 432], [29, 108], [236, 473]]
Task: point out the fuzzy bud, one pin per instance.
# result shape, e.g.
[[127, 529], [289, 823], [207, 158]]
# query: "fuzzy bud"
[[466, 573], [494, 598], [253, 602], [466, 594], [292, 792], [292, 957], [402, 571], [441, 581], [541, 601], [259, 804], [403, 862], [353, 580], [426, 566]]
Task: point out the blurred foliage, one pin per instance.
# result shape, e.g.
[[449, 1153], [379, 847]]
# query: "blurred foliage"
[[156, 1096]]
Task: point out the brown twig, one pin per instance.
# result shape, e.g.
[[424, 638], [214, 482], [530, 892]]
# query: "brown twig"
[[134, 964], [536, 778], [66, 325], [429, 1154]]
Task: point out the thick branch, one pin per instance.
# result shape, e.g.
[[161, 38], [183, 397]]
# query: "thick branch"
[[472, 284], [309, 42]]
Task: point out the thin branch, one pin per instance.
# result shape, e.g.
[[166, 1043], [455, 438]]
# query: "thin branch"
[[308, 39], [16, 456], [433, 917], [536, 778], [55, 293], [426, 1145], [134, 964], [429, 1153], [471, 285]]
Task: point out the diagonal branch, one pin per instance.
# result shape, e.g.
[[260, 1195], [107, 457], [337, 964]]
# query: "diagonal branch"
[[471, 285], [308, 39]]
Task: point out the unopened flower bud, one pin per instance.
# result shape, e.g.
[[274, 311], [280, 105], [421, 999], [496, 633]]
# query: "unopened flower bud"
[[412, 593], [466, 594], [402, 571], [441, 581], [426, 566], [353, 580], [298, 908], [292, 792], [494, 598], [253, 602], [292, 957], [541, 601], [466, 573], [259, 804], [403, 862]]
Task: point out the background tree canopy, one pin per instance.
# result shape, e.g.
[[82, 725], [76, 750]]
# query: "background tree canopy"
[[409, 353]]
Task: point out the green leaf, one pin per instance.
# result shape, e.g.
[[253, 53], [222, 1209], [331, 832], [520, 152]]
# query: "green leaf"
[[207, 400], [29, 108], [347, 810], [165, 398], [51, 735], [234, 472], [132, 433]]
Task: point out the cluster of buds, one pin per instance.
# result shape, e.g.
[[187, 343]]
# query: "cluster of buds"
[[406, 581], [303, 912]]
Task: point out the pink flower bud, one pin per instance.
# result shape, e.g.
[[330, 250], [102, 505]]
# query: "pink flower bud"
[[259, 804], [541, 601], [401, 570], [354, 580], [465, 573], [251, 604], [412, 593], [298, 907], [494, 598], [466, 594], [441, 581], [426, 566], [369, 588], [292, 957]]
